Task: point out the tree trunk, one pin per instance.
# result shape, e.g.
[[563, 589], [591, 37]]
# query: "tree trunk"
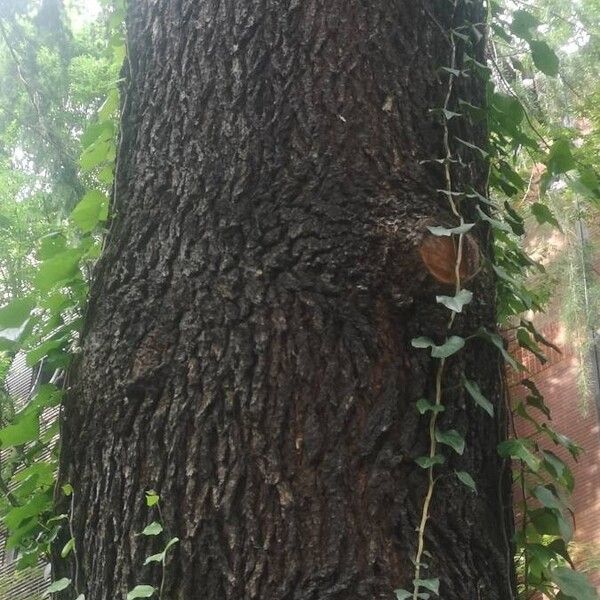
[[248, 343]]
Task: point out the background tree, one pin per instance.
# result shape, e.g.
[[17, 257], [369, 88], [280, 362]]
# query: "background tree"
[[247, 349]]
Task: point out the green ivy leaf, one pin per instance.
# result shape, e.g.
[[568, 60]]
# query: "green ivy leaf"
[[495, 223], [547, 498], [451, 438], [457, 302], [67, 548], [59, 268], [425, 462], [171, 543], [37, 504], [522, 24], [572, 584], [152, 498], [560, 158], [467, 480], [445, 231], [451, 71], [544, 58], [43, 349], [141, 591], [160, 557], [449, 114], [58, 586], [520, 449], [14, 318], [543, 214], [478, 397], [451, 346], [155, 558], [110, 105], [92, 209], [153, 529], [424, 406], [497, 341], [25, 429], [99, 152], [433, 585], [402, 594], [484, 154]]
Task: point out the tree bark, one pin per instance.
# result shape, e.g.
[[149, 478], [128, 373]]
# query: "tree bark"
[[247, 351]]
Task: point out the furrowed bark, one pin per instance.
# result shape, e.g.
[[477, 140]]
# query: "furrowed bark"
[[247, 350]]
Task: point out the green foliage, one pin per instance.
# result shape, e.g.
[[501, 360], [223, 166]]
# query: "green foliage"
[[58, 131]]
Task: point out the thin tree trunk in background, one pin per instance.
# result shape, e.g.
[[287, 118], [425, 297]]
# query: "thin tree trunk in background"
[[247, 351]]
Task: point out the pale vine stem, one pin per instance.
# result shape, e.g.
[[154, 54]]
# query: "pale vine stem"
[[441, 367], [72, 532], [163, 565]]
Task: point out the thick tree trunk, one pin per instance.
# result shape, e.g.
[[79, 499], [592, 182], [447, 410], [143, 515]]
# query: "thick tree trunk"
[[247, 351]]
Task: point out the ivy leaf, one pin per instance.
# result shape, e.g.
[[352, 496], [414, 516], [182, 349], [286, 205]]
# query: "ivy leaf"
[[558, 470], [478, 397], [445, 231], [522, 24], [154, 558], [573, 584], [402, 594], [451, 346], [99, 152], [110, 105], [160, 557], [449, 114], [452, 71], [425, 462], [484, 153], [543, 214], [25, 429], [561, 440], [43, 349], [544, 58], [457, 302], [67, 548], [92, 209], [547, 498], [433, 585], [58, 586], [153, 529], [14, 318], [560, 158], [36, 505], [61, 267], [519, 449], [495, 223], [497, 341], [476, 113], [467, 480], [451, 438], [152, 498], [424, 406], [141, 591]]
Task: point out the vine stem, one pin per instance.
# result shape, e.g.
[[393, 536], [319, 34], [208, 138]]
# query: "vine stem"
[[72, 532], [441, 367]]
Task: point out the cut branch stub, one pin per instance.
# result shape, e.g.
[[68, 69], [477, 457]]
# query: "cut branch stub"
[[439, 254]]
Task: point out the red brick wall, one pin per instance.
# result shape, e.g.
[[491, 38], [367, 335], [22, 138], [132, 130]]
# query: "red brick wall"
[[557, 380]]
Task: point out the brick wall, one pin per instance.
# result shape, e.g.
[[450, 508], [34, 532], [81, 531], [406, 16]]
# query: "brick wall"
[[557, 380]]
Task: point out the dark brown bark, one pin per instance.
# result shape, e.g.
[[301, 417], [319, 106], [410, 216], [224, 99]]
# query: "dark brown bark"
[[247, 351]]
